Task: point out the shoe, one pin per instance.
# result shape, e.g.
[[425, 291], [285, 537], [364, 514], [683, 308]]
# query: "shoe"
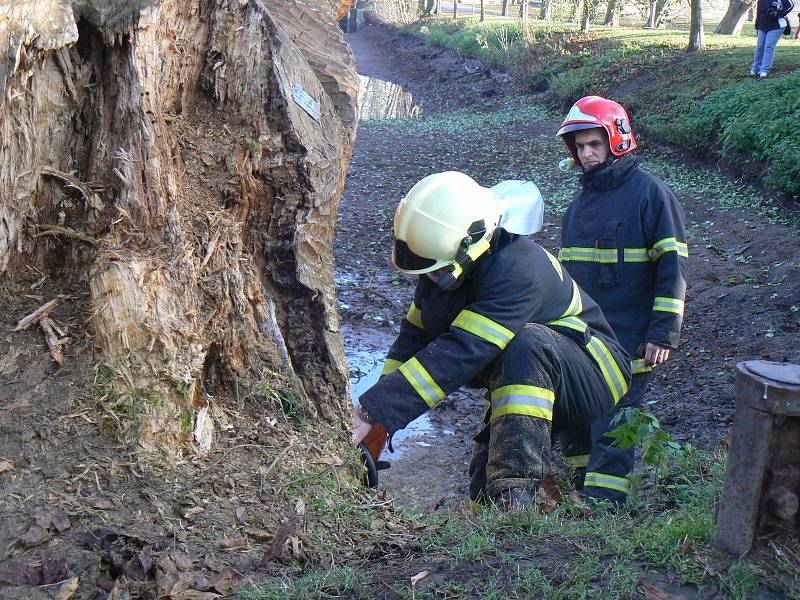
[[753, 73], [762, 75], [514, 499]]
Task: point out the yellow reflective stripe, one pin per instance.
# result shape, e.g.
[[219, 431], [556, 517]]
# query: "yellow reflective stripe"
[[612, 482], [669, 244], [636, 255], [422, 382], [390, 366], [556, 264], [608, 366], [576, 304], [570, 322], [673, 305], [601, 255], [639, 365], [577, 461], [526, 400], [484, 328], [414, 316]]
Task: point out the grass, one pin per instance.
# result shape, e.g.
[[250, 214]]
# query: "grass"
[[702, 102], [662, 541]]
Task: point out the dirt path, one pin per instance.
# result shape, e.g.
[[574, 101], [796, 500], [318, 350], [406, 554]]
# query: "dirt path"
[[743, 299]]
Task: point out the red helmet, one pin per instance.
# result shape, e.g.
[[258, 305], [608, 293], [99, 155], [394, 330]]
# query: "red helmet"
[[594, 111]]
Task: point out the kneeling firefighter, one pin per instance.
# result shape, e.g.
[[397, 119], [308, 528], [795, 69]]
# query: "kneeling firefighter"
[[491, 309]]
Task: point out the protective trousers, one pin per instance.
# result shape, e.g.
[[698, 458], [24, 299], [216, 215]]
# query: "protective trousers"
[[599, 467], [542, 381]]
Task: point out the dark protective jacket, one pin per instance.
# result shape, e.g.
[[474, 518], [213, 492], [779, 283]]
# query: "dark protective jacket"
[[623, 241], [769, 11], [449, 338]]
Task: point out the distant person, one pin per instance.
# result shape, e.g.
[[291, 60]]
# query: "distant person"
[[623, 242], [771, 20], [492, 309]]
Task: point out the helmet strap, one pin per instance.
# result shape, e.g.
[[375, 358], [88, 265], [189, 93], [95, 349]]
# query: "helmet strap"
[[467, 254]]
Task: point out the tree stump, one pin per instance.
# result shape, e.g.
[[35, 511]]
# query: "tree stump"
[[198, 150], [762, 480]]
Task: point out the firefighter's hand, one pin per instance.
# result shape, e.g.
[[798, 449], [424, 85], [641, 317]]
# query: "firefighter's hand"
[[655, 354], [360, 426]]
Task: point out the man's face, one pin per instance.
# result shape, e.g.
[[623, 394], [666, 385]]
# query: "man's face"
[[592, 147]]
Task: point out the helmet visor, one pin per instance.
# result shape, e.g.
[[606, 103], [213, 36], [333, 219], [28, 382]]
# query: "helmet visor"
[[405, 260], [571, 127]]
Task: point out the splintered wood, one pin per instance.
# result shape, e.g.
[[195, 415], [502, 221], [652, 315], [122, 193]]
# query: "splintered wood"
[[54, 335]]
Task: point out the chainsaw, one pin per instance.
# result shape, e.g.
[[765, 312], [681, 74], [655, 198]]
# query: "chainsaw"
[[370, 449]]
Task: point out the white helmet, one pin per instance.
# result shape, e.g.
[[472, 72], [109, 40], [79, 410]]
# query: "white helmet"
[[445, 219]]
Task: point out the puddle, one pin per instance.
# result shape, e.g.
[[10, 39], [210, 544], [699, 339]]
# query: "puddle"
[[385, 100], [365, 350]]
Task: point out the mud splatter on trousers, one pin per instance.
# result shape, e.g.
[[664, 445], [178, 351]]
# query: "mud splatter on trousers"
[[540, 364]]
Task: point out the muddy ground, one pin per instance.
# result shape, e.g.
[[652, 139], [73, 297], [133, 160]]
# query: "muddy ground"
[[744, 270]]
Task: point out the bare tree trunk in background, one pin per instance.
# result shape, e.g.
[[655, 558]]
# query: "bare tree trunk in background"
[[504, 12], [577, 6], [651, 15], [546, 11], [697, 39], [733, 20], [585, 17], [437, 7], [483, 11], [207, 190], [612, 14], [660, 6], [524, 11], [455, 9]]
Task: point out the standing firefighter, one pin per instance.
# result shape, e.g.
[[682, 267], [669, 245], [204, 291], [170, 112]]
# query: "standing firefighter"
[[623, 241], [492, 309]]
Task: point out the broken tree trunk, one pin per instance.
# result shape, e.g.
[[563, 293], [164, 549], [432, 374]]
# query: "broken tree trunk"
[[203, 148]]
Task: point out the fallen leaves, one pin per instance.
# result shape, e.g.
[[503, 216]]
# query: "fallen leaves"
[[548, 495], [52, 569], [283, 534], [6, 466], [68, 589]]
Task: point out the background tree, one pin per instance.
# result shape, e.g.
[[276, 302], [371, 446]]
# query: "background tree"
[[483, 10], [585, 17], [733, 20], [612, 14], [524, 6], [504, 11], [183, 194], [696, 35], [546, 10], [577, 10]]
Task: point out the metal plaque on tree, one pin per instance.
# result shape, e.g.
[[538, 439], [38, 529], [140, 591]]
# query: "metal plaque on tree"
[[305, 101]]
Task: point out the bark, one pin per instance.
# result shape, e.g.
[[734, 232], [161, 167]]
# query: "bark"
[[577, 6], [659, 12], [612, 14], [733, 21], [483, 11], [651, 15], [585, 17], [455, 9], [524, 11], [696, 34], [504, 11], [546, 10], [211, 193]]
